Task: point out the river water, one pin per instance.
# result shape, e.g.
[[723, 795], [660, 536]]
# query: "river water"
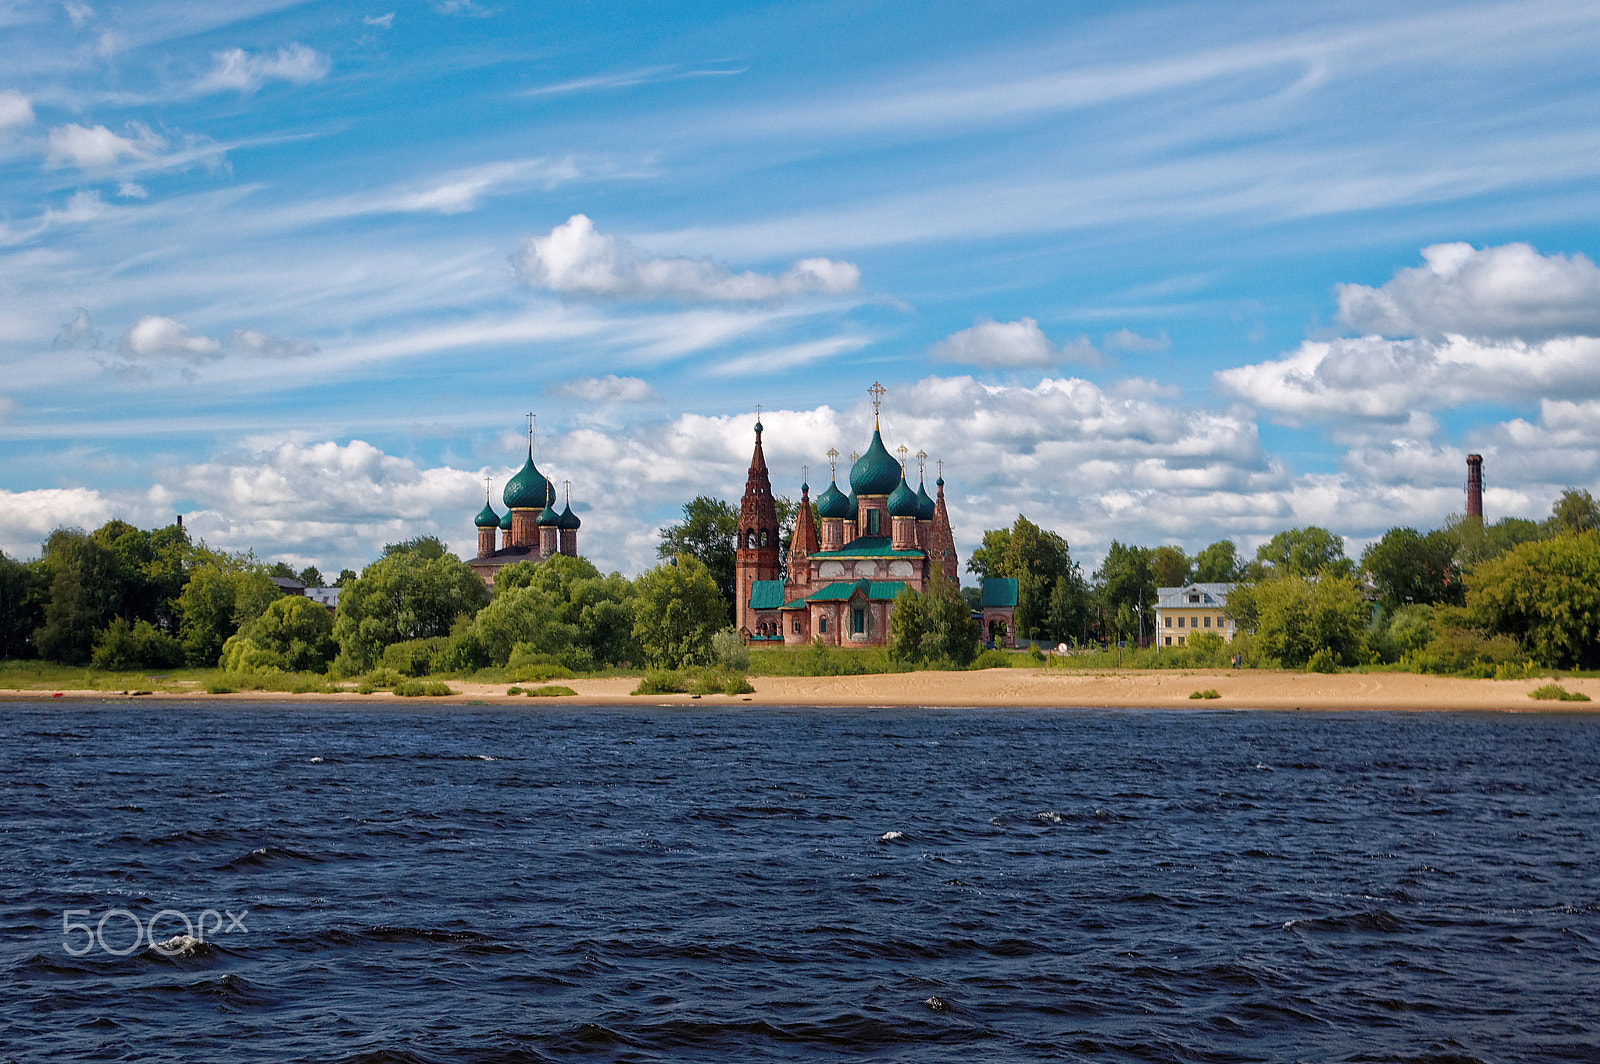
[[653, 884]]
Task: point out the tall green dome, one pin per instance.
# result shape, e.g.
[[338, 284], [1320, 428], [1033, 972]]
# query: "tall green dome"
[[876, 472], [528, 489], [903, 501], [832, 503], [548, 517], [569, 520], [487, 518], [505, 522], [925, 503]]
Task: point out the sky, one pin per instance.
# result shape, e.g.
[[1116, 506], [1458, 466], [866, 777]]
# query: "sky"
[[1157, 273]]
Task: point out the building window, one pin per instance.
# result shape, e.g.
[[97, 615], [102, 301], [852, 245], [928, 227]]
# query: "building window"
[[1194, 598], [872, 522], [1180, 640], [858, 621], [1169, 622], [1181, 620], [763, 538], [1169, 640], [822, 625], [794, 625]]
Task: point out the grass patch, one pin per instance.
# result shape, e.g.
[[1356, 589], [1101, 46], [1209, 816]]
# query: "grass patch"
[[1554, 692], [1210, 692], [817, 660], [662, 682], [992, 659], [549, 690]]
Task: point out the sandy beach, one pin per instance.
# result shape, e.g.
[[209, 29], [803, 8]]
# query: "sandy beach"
[[1020, 688]]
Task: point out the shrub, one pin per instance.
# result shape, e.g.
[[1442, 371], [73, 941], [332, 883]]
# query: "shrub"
[[416, 688], [992, 658], [1555, 692], [414, 657], [1036, 654], [720, 682], [123, 647], [216, 688], [365, 688], [1323, 660], [661, 682], [1465, 652], [728, 647], [384, 678], [549, 691], [1208, 693]]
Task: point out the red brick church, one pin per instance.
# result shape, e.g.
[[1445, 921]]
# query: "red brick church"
[[841, 584], [532, 528]]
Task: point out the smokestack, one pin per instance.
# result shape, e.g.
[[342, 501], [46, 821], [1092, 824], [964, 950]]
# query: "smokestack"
[[1475, 487]]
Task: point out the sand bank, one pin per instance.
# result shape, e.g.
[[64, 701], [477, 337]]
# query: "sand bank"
[[1246, 689]]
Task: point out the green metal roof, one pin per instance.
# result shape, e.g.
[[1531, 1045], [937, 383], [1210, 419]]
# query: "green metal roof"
[[526, 490], [842, 590], [999, 591], [903, 501], [869, 547], [832, 503], [766, 594]]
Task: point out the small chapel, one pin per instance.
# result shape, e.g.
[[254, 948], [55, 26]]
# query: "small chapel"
[[842, 580], [532, 529]]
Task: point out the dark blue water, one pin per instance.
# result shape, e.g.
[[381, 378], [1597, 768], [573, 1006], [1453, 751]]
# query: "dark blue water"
[[754, 885]]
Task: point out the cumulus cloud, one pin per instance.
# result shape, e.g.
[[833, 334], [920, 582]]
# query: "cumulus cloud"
[[1371, 377], [608, 389], [246, 72], [1010, 344], [97, 148], [15, 111], [156, 337], [576, 259], [27, 517], [1489, 293], [255, 344]]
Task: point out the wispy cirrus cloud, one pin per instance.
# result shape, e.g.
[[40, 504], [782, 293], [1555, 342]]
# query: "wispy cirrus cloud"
[[628, 79], [237, 70]]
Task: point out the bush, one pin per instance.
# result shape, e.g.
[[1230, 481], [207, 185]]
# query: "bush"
[[728, 647], [1555, 692], [662, 682], [416, 688], [365, 688], [720, 682], [123, 647], [384, 678], [414, 657], [1465, 652], [215, 688], [993, 658], [528, 664], [1323, 660], [1036, 654], [549, 691], [1208, 693], [240, 654]]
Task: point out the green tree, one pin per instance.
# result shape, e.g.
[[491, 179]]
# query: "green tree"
[[1409, 567], [403, 595], [706, 534], [298, 631], [1171, 567], [1295, 616], [429, 548], [598, 609], [282, 571], [1574, 512], [1218, 563], [311, 576], [345, 577], [85, 594], [1070, 608], [22, 590], [1126, 584], [222, 596], [1303, 552], [1039, 560], [932, 627], [678, 608], [123, 647], [1546, 595], [1480, 542]]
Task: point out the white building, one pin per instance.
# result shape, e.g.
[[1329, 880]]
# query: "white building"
[[1194, 609]]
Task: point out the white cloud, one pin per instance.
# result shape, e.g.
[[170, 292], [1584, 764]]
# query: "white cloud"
[[1128, 340], [97, 148], [80, 14], [131, 190], [1010, 344], [608, 389], [79, 332], [244, 72], [575, 259], [382, 21], [157, 337], [260, 345], [1372, 377], [1498, 292], [15, 111], [27, 517]]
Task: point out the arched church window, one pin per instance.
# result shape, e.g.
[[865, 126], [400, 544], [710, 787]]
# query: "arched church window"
[[763, 537]]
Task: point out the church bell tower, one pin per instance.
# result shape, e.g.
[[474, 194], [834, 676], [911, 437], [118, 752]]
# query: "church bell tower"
[[756, 550]]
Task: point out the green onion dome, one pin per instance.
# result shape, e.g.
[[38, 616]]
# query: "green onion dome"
[[876, 472], [833, 504], [569, 520], [903, 501], [925, 504], [548, 518], [528, 490], [487, 518], [505, 522]]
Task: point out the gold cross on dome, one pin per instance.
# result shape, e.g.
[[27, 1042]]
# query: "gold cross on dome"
[[922, 462], [855, 456], [833, 461], [488, 488], [876, 391], [902, 451]]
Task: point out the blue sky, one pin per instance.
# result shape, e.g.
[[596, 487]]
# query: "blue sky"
[[1163, 273]]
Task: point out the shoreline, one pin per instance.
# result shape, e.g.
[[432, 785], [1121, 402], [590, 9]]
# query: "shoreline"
[[992, 688]]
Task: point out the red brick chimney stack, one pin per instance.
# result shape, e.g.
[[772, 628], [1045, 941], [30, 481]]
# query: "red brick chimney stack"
[[1475, 487]]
